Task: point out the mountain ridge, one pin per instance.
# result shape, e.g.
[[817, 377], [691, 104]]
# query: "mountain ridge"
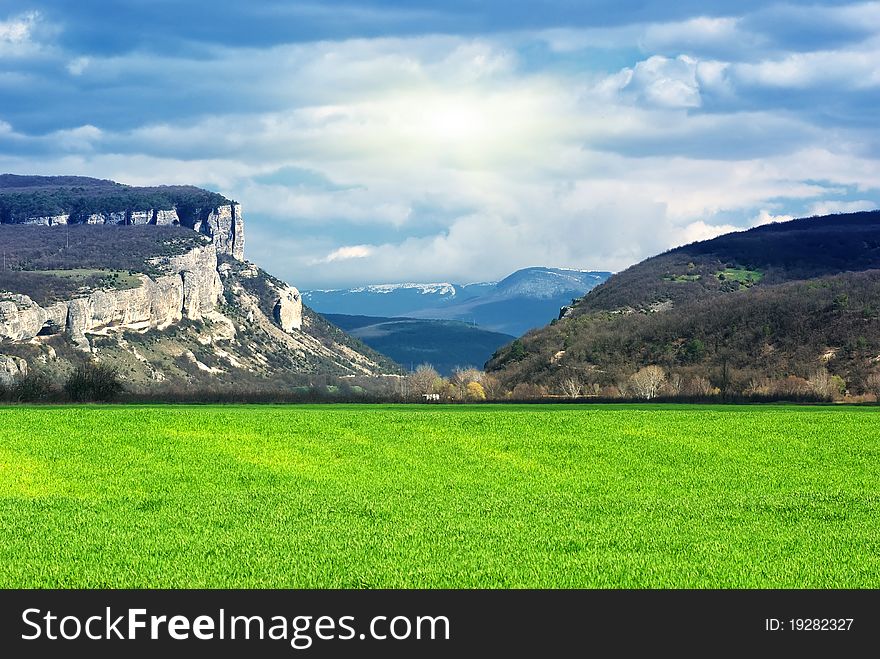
[[524, 299], [444, 344]]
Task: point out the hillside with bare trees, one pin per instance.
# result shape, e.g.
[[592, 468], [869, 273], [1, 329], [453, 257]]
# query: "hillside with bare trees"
[[785, 310]]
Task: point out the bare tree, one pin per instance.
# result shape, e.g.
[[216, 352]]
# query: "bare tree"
[[421, 381], [820, 382], [646, 382], [673, 385], [698, 386], [462, 377], [528, 391], [571, 386], [493, 387], [873, 384]]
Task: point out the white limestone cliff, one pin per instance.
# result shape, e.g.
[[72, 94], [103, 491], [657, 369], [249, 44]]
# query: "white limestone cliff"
[[288, 309], [11, 368], [191, 290]]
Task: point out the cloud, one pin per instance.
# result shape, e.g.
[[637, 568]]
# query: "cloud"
[[78, 65], [829, 207], [699, 230], [16, 34], [463, 155], [703, 35], [347, 253], [840, 69], [18, 30], [766, 217], [664, 82]]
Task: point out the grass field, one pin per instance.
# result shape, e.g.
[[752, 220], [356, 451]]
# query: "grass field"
[[431, 496], [742, 275]]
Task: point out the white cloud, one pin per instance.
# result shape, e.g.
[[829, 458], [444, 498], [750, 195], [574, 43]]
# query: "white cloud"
[[702, 31], [766, 217], [82, 138], [829, 207], [78, 65], [860, 15], [665, 82], [19, 35], [18, 30], [465, 160], [348, 253], [699, 230], [837, 69]]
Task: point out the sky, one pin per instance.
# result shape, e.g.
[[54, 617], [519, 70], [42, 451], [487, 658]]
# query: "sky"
[[381, 141]]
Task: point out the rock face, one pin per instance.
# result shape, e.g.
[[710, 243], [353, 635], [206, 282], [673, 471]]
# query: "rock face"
[[288, 310], [191, 289], [11, 368], [226, 226], [47, 221], [165, 217]]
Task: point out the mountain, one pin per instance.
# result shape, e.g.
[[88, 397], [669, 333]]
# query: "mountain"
[[524, 300], [153, 281], [777, 306], [445, 344]]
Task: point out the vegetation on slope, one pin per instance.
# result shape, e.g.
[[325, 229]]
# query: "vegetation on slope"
[[735, 342], [756, 312], [764, 256], [40, 196], [55, 263]]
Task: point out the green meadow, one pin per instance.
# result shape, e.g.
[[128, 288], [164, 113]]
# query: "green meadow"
[[349, 496]]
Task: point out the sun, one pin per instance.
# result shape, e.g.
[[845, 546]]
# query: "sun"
[[472, 128], [455, 121]]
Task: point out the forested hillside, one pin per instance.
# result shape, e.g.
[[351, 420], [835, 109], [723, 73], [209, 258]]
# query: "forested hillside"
[[790, 309]]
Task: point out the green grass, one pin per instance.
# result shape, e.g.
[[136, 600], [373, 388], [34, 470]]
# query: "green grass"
[[96, 277], [682, 278], [432, 496], [740, 275]]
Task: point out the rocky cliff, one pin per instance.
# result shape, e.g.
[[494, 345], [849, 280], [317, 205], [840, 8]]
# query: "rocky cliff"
[[174, 303], [11, 368], [190, 289]]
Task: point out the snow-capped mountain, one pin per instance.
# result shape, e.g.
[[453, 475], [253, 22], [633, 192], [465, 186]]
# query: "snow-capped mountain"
[[424, 289], [547, 283], [528, 298]]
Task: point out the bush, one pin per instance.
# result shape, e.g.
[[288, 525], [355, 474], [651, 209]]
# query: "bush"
[[528, 391], [93, 382], [475, 391], [32, 388]]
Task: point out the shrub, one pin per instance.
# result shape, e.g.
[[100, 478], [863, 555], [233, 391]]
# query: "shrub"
[[32, 388], [475, 391], [93, 382], [528, 391]]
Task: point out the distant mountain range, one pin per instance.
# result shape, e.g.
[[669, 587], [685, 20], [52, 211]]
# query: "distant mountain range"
[[524, 300], [445, 344]]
